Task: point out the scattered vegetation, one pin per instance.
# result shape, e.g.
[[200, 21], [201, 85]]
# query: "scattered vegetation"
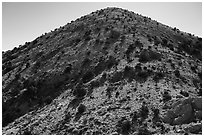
[[149, 55], [79, 91]]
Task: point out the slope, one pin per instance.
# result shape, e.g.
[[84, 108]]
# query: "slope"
[[109, 72]]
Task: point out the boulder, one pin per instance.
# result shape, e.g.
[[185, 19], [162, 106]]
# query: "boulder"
[[183, 111], [198, 114], [184, 114], [194, 128], [197, 103]]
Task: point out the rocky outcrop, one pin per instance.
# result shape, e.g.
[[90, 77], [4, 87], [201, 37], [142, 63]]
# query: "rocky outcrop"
[[184, 111]]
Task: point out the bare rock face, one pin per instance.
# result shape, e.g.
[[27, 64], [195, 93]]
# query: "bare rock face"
[[109, 72], [184, 111], [194, 128], [197, 103]]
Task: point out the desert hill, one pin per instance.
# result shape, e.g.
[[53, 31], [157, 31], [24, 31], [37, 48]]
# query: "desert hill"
[[109, 72]]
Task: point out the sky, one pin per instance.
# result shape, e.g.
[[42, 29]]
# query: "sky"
[[24, 21]]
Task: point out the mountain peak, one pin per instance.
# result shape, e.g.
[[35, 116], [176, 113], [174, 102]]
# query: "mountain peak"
[[108, 72]]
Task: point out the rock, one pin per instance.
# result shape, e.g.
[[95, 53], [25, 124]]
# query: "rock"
[[198, 115], [180, 113], [169, 117], [194, 128], [197, 103], [184, 93], [184, 115], [114, 133]]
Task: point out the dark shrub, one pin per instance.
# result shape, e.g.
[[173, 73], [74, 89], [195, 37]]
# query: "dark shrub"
[[86, 62], [79, 92], [68, 69], [27, 132], [158, 76], [200, 75], [125, 128], [143, 75], [166, 96], [117, 94], [7, 67], [117, 76], [193, 68], [34, 42], [144, 111], [68, 116], [143, 130], [48, 100], [81, 109], [109, 91], [144, 56], [130, 49], [111, 62], [149, 55], [87, 76], [128, 71], [173, 65], [135, 117], [88, 38], [196, 82], [138, 67], [177, 73], [184, 93], [164, 42], [155, 112], [170, 46], [157, 40], [113, 37]]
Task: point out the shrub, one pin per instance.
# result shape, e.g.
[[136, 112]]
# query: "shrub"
[[177, 73], [166, 96], [27, 132], [81, 109], [113, 37], [138, 67], [193, 68], [149, 55], [68, 69], [7, 67], [87, 76], [164, 42], [170, 46], [155, 112], [130, 49], [117, 94], [117, 76], [144, 56], [79, 92], [144, 111], [158, 76], [200, 75], [48, 100], [86, 62], [184, 93], [143, 130], [143, 75], [111, 62], [157, 40], [125, 128], [174, 29]]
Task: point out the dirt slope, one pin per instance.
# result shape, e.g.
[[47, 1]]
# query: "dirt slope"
[[109, 72]]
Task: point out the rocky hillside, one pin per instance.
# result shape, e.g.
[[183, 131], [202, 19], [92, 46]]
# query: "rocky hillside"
[[109, 72]]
